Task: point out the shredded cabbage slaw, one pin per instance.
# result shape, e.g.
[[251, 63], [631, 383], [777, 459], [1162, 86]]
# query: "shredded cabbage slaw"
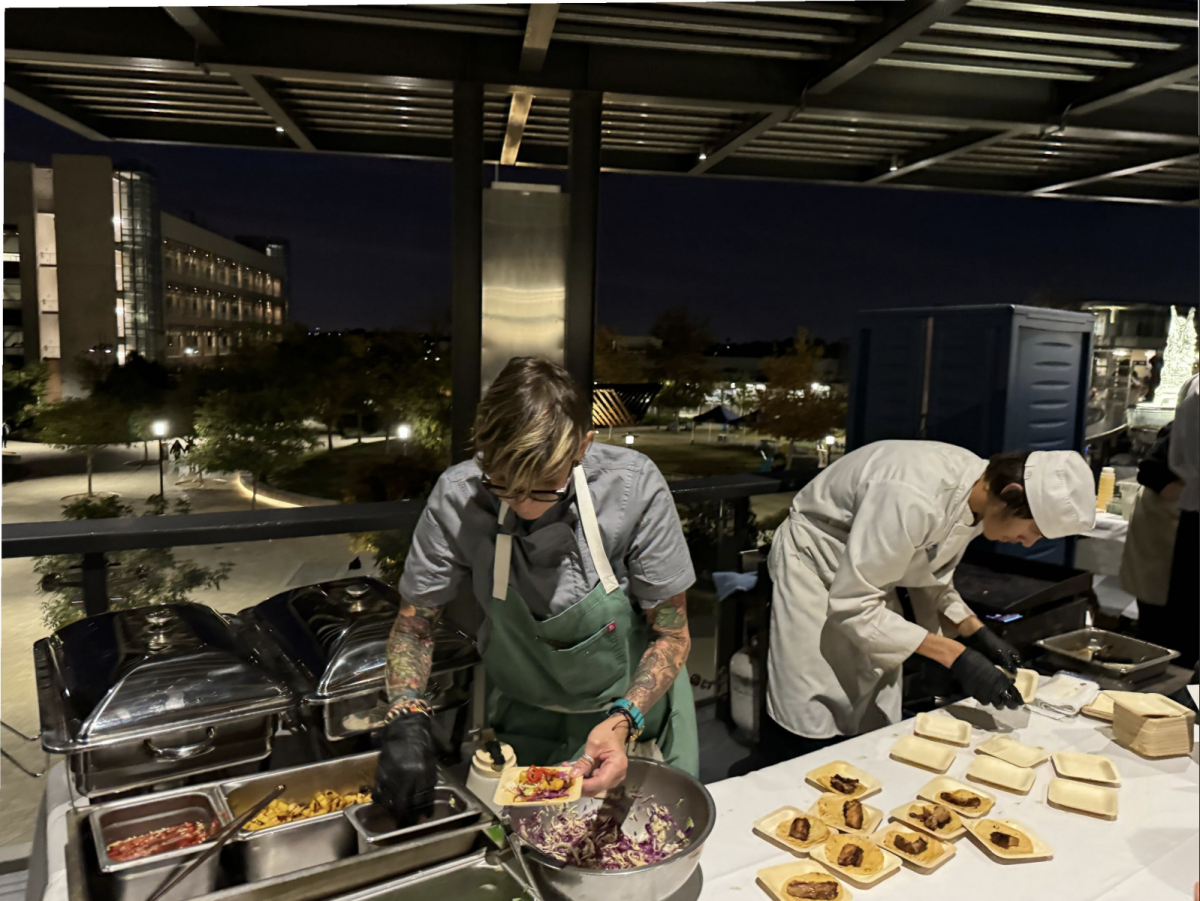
[[598, 843]]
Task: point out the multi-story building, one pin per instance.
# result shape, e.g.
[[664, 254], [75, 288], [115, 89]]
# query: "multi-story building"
[[93, 266], [217, 293]]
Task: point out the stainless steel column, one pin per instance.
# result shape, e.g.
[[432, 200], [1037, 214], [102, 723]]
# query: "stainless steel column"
[[466, 260], [583, 164]]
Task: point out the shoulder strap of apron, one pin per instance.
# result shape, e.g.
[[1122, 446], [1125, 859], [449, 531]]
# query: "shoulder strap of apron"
[[503, 558], [591, 532]]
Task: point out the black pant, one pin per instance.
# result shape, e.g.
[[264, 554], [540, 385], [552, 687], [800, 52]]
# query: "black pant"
[[1183, 595], [776, 744]]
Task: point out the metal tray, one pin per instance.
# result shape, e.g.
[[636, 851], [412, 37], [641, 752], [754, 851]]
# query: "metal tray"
[[265, 853], [136, 880], [1074, 648], [376, 828], [481, 875], [319, 883]]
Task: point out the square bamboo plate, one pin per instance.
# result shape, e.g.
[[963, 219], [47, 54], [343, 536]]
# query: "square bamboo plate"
[[506, 796], [952, 830], [1086, 767], [828, 809], [934, 787], [1012, 751], [775, 879], [927, 863], [1083, 797], [765, 827], [994, 771], [891, 863], [821, 775], [1101, 707], [943, 728], [921, 753], [981, 829], [1027, 684]]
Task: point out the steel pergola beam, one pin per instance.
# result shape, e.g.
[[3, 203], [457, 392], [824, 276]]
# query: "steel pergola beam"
[[736, 139], [205, 36], [1107, 172], [1132, 83], [909, 21], [47, 108], [539, 26], [948, 149], [518, 115]]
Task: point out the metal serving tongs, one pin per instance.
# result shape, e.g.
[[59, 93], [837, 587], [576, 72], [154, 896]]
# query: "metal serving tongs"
[[224, 834]]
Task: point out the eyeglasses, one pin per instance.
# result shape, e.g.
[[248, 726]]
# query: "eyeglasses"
[[541, 496]]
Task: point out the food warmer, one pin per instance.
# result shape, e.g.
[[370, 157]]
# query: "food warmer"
[[332, 639], [144, 697]]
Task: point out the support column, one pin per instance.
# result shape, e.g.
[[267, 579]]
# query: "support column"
[[583, 184], [466, 260]]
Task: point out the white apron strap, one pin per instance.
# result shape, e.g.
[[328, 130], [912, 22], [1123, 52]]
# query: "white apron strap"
[[503, 558], [591, 532]]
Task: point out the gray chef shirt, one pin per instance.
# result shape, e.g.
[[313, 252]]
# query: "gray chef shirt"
[[454, 545]]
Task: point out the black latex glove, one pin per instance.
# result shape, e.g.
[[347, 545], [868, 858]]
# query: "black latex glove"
[[407, 769], [994, 648], [984, 682]]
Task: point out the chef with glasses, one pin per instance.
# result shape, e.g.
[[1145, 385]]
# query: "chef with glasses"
[[574, 552]]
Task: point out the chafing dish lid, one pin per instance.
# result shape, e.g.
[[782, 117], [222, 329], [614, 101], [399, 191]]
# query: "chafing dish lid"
[[336, 634], [152, 668]]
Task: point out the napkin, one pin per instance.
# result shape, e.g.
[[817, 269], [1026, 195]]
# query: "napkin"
[[1064, 695]]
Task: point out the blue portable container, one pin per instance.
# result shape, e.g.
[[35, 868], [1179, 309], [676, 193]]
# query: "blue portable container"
[[987, 378]]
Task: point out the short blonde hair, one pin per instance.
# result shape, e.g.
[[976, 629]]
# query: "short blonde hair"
[[530, 423]]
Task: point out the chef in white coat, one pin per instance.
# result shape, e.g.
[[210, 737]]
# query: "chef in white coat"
[[899, 513]]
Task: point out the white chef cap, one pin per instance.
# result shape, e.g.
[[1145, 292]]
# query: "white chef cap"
[[1061, 493]]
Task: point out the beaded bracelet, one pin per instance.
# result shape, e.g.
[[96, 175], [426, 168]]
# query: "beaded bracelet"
[[408, 705]]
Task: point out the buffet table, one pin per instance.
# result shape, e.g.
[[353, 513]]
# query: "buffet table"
[[1149, 851]]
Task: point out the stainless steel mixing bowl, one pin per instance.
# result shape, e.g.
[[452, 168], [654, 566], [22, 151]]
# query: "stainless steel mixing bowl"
[[647, 783]]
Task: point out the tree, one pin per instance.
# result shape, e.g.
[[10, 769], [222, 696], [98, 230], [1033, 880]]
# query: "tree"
[[793, 407], [23, 390], [142, 386], [252, 431], [84, 425], [141, 577], [679, 362], [613, 362]]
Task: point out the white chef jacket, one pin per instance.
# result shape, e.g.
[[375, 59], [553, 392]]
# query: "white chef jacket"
[[891, 513], [1185, 445]]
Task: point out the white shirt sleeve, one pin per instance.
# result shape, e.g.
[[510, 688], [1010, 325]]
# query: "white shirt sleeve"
[[891, 525], [1184, 456], [946, 600]]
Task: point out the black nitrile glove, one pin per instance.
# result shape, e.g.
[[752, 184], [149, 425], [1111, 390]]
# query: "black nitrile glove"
[[984, 682], [994, 648], [407, 769]]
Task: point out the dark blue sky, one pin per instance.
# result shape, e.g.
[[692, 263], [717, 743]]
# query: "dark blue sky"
[[371, 240]]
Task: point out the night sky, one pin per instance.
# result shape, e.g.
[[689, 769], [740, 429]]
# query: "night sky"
[[371, 240]]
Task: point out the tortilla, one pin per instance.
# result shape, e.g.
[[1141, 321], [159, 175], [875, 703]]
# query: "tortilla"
[[912, 822], [817, 832], [831, 808], [984, 829], [872, 861], [929, 855], [813, 877], [946, 799]]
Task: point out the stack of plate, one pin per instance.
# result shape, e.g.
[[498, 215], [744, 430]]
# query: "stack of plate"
[[1152, 725]]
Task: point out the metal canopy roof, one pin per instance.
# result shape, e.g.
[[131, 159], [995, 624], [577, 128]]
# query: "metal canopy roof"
[[1058, 98]]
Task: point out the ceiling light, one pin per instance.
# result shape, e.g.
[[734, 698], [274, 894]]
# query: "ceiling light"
[[279, 128], [703, 155]]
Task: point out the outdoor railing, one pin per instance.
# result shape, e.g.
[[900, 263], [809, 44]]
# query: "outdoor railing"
[[95, 538]]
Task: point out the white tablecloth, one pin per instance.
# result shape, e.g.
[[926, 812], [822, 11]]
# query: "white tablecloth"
[[1148, 852]]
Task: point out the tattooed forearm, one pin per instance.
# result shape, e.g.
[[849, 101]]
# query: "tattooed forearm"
[[666, 655], [410, 652]]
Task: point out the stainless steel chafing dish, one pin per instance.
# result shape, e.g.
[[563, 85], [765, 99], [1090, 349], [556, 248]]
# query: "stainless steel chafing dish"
[[332, 639], [147, 696]]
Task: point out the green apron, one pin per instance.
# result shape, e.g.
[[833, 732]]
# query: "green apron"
[[552, 679]]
